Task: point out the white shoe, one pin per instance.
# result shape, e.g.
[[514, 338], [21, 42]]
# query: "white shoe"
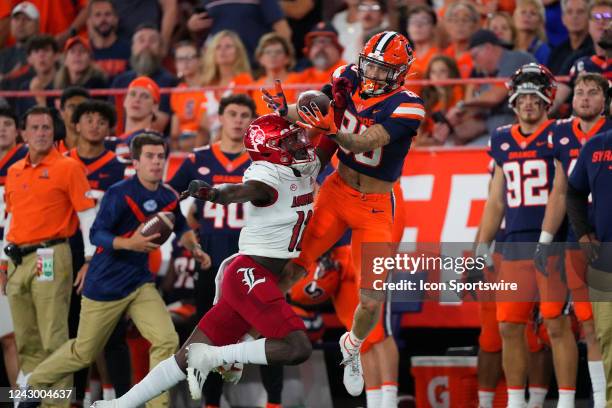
[[231, 373], [201, 359], [105, 404], [353, 374]]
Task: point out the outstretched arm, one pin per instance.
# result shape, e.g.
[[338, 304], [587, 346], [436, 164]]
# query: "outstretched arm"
[[252, 191]]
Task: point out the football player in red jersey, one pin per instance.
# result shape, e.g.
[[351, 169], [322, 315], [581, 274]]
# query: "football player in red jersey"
[[519, 192], [373, 122]]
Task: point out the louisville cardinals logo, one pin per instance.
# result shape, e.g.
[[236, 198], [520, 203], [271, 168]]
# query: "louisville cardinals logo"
[[249, 278], [257, 137]]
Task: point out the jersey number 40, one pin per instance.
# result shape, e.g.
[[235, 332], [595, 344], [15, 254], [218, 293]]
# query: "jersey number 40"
[[526, 183]]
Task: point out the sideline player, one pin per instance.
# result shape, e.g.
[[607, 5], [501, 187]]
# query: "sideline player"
[[373, 122], [589, 105], [277, 190], [519, 191]]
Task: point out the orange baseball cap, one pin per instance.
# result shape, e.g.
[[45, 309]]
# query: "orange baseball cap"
[[147, 83], [76, 40]]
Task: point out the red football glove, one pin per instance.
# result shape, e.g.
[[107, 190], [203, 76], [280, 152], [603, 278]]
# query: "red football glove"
[[314, 119], [277, 101], [341, 92]]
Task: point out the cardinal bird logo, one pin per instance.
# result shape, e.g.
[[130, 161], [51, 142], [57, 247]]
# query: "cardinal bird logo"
[[257, 137], [249, 279]]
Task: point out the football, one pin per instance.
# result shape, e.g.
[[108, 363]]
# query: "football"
[[162, 223], [319, 98]]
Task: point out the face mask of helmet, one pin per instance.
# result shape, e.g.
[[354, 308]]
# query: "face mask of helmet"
[[377, 77], [298, 145]]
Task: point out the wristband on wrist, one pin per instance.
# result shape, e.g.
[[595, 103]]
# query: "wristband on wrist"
[[546, 237]]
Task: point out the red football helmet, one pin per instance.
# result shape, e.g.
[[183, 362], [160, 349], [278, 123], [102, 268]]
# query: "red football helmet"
[[384, 63], [274, 139], [532, 78]]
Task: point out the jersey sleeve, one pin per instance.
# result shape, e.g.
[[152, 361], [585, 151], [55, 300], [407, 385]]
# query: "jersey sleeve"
[[182, 177], [405, 119], [262, 172], [108, 215], [494, 148], [349, 72], [579, 178]]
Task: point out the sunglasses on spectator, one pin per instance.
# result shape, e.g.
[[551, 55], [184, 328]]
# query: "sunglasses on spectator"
[[601, 16], [369, 7]]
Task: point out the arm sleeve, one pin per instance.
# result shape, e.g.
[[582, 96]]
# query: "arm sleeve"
[[110, 210], [182, 177], [86, 220], [271, 11], [577, 203], [78, 186]]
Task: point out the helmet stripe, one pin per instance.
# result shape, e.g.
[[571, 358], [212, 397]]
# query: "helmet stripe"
[[384, 40]]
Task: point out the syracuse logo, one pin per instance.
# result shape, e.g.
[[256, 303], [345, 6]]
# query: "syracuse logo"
[[249, 279]]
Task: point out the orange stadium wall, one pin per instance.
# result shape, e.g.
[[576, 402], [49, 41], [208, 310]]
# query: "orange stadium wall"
[[444, 192]]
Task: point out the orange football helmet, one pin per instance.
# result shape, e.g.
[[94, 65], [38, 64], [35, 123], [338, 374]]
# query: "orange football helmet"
[[383, 63]]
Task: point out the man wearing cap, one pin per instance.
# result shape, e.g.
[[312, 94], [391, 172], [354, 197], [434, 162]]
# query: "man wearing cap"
[[24, 24], [79, 68], [146, 61], [324, 52], [141, 105], [476, 118]]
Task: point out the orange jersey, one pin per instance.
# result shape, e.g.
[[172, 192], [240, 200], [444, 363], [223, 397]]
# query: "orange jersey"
[[44, 199], [56, 16], [188, 107], [463, 60], [290, 94], [315, 76]]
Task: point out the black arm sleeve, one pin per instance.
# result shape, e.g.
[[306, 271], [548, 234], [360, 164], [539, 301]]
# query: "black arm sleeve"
[[578, 211]]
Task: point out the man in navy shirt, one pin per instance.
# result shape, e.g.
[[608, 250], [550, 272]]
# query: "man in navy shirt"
[[118, 279], [593, 228]]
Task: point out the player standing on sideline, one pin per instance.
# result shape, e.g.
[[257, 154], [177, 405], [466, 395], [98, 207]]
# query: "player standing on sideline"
[[118, 280], [10, 152], [278, 191], [519, 191], [589, 105], [378, 119]]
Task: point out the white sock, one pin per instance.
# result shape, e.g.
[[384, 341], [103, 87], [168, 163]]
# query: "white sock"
[[108, 393], [161, 378], [598, 381], [516, 398], [566, 398], [95, 390], [87, 401], [373, 397], [250, 352], [485, 398], [389, 395], [353, 341], [537, 395]]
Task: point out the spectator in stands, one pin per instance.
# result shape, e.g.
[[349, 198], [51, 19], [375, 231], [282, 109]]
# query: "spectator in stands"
[[276, 57], [43, 215], [79, 68], [301, 16], [576, 19], [225, 63], [502, 25], [348, 26], [146, 61], [250, 20], [10, 152], [324, 52], [421, 26], [24, 25], [529, 20], [461, 21], [159, 14], [439, 99], [110, 52], [373, 16], [187, 107], [475, 118], [70, 99], [42, 56], [600, 18]]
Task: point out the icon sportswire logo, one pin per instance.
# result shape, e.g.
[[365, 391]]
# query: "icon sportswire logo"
[[249, 279]]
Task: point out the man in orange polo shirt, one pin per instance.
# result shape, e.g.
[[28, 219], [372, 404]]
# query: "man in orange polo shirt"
[[324, 52], [46, 199]]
